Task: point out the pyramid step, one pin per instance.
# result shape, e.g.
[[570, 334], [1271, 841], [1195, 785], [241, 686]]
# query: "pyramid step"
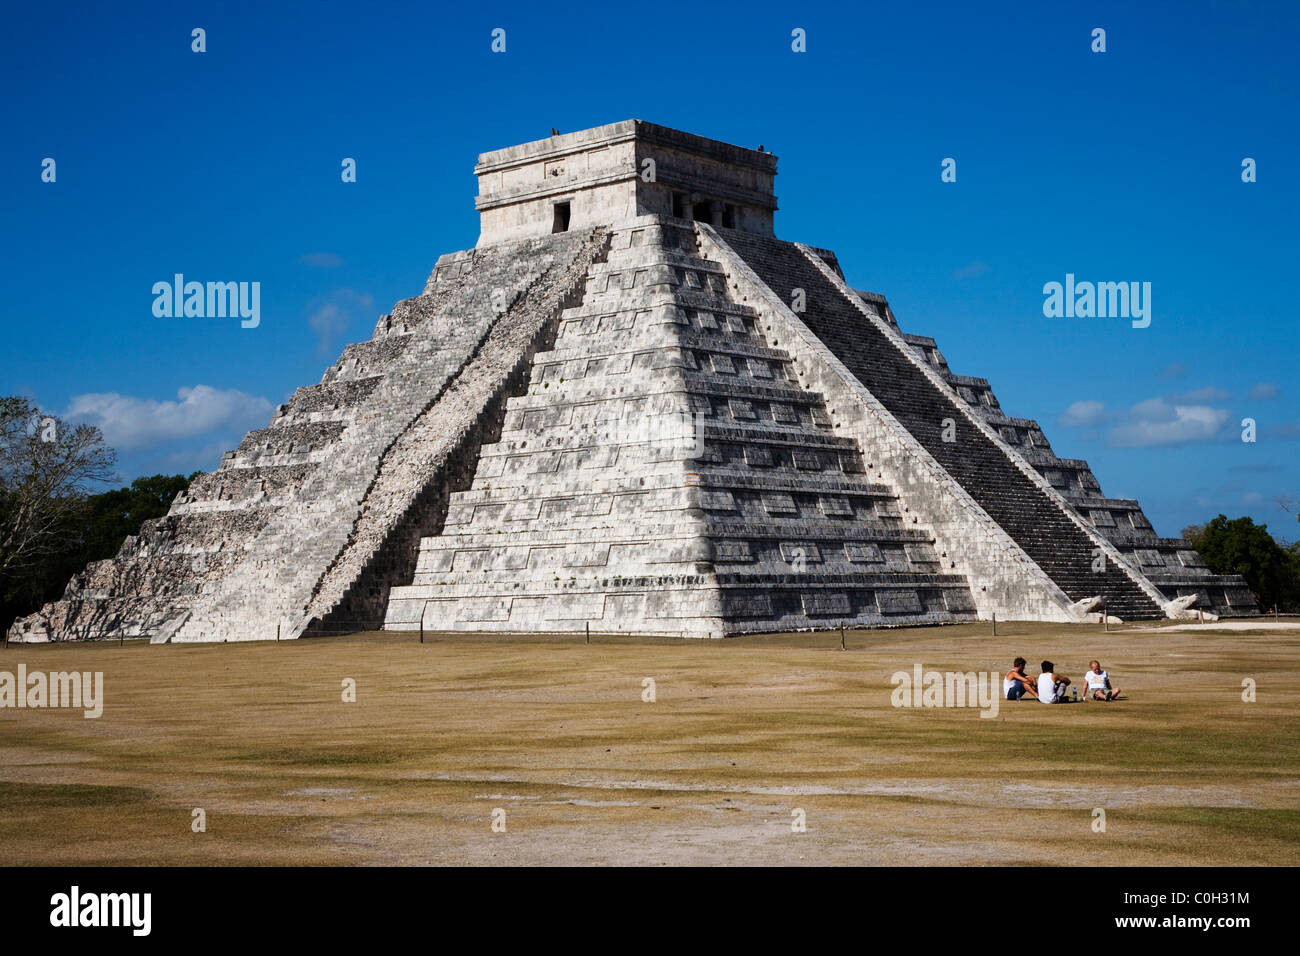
[[1033, 519]]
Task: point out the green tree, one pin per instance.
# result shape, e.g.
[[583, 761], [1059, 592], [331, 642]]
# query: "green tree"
[[51, 525], [113, 515], [1240, 546]]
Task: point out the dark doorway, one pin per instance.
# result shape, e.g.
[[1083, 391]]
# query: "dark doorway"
[[561, 222]]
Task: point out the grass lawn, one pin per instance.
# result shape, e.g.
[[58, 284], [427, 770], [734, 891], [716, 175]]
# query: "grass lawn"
[[743, 732]]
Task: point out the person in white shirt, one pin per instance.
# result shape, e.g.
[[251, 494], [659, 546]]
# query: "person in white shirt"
[[1099, 682], [1051, 685]]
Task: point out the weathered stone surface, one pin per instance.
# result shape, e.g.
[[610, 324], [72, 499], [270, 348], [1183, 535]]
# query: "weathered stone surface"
[[1171, 564], [631, 407], [665, 456], [305, 513]]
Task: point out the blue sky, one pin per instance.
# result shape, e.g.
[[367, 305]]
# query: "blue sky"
[[1115, 166]]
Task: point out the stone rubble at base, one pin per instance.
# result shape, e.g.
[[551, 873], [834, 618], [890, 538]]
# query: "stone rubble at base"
[[607, 414]]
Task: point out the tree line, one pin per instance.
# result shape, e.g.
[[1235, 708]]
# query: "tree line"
[[1239, 546], [54, 520]]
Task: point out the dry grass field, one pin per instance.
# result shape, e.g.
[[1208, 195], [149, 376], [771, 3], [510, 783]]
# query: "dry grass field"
[[742, 732]]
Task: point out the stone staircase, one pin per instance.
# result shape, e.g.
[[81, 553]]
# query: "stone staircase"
[[437, 451], [665, 473], [314, 550], [1038, 524], [242, 553], [1171, 564]]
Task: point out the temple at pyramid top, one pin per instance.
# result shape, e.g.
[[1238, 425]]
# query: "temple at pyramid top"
[[614, 173]]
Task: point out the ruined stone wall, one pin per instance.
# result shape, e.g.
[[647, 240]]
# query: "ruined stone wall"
[[240, 553]]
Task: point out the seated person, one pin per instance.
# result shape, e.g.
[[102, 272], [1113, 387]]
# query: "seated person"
[[1051, 686], [1017, 683], [1099, 683]]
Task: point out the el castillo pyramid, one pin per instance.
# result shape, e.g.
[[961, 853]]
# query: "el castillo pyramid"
[[631, 407]]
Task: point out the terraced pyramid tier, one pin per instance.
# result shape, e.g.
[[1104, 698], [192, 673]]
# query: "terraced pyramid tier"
[[1008, 491], [311, 519], [665, 473], [631, 408], [1171, 564]]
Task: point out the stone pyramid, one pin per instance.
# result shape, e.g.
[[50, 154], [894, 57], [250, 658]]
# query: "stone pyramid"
[[631, 408]]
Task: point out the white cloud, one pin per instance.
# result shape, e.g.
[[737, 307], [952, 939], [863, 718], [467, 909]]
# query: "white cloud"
[[129, 422], [1264, 391], [1159, 422], [1177, 419], [1156, 409], [333, 314], [1083, 413], [1173, 370]]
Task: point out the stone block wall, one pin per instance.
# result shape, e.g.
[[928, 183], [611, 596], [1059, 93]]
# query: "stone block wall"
[[666, 473], [241, 554], [1003, 579], [630, 406], [1171, 564], [438, 450], [612, 174]]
